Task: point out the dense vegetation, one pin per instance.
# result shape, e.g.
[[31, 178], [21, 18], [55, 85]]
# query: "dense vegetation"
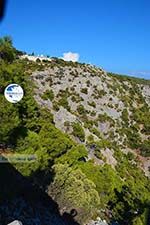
[[75, 183], [131, 79]]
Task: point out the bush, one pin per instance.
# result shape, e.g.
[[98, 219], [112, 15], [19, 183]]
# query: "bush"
[[125, 116], [90, 139], [78, 131], [145, 148], [93, 104], [48, 94], [96, 132], [76, 97], [104, 118], [93, 113], [72, 190], [81, 109], [7, 51], [64, 102], [98, 93], [84, 90], [55, 106]]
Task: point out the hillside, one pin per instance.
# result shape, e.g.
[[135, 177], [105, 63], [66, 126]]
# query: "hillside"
[[102, 111], [90, 133]]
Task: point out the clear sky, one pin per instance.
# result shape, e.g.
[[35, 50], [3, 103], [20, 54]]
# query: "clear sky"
[[113, 34]]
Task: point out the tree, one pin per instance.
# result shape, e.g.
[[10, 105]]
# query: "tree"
[[31, 146], [73, 156], [7, 51], [72, 190], [9, 119]]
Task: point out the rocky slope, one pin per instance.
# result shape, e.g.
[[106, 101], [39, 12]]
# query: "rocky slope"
[[101, 110]]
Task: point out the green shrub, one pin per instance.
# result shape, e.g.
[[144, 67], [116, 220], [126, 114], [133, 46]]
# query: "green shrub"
[[93, 104], [88, 124], [55, 106], [48, 94], [93, 113], [125, 116], [133, 137], [90, 138], [98, 154], [64, 102], [7, 51], [73, 98], [72, 190], [84, 90], [104, 118], [49, 80], [130, 156], [88, 83], [145, 148], [81, 110], [96, 132], [98, 93], [78, 131]]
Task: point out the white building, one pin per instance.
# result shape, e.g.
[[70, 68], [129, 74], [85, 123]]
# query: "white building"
[[34, 58]]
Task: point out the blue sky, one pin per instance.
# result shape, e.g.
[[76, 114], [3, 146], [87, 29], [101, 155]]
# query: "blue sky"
[[113, 34]]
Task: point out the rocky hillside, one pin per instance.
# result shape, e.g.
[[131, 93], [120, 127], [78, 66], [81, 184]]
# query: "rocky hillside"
[[101, 110]]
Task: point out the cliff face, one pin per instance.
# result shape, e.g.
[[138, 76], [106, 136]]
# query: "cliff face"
[[101, 110]]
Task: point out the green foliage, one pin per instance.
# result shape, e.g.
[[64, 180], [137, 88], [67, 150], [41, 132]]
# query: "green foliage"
[[145, 148], [93, 113], [78, 131], [130, 156], [48, 94], [47, 145], [63, 95], [104, 143], [90, 139], [84, 90], [142, 116], [93, 104], [129, 79], [7, 51], [125, 116], [76, 97], [133, 137], [31, 145], [96, 132], [134, 193], [104, 118], [142, 219], [105, 179], [89, 124], [9, 118], [81, 110], [64, 102], [73, 156], [48, 136], [55, 106], [98, 93], [72, 190]]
